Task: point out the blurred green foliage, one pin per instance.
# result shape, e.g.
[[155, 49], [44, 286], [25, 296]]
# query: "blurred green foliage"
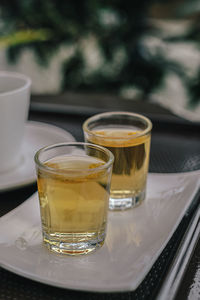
[[45, 25]]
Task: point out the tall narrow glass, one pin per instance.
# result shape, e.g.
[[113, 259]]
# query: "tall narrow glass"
[[73, 185], [127, 136]]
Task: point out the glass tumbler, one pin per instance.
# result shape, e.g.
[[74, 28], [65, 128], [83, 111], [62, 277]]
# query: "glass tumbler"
[[127, 136], [73, 186]]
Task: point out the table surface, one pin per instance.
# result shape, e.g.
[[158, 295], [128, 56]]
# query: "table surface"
[[175, 148]]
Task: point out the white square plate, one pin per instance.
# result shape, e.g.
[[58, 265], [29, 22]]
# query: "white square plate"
[[135, 238]]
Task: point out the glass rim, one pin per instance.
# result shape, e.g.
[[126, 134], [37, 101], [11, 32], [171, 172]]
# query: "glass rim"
[[124, 113], [41, 165]]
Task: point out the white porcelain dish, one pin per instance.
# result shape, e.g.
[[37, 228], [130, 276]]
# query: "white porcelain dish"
[[37, 135], [135, 238]]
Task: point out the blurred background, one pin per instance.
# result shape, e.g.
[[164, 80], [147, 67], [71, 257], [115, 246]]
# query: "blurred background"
[[141, 50]]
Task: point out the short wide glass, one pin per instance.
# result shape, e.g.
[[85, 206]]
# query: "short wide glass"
[[127, 136], [73, 186]]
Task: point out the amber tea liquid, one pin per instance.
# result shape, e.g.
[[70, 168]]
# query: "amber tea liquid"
[[131, 152], [73, 208]]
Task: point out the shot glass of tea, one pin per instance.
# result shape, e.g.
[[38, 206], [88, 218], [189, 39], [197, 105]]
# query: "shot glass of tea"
[[73, 186], [127, 136]]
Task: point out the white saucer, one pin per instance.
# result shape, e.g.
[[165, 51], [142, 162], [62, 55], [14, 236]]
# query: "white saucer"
[[37, 135]]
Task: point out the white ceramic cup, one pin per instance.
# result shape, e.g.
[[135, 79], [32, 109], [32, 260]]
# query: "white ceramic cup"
[[14, 106]]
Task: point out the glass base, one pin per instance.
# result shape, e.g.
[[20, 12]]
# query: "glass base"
[[126, 202], [70, 246]]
